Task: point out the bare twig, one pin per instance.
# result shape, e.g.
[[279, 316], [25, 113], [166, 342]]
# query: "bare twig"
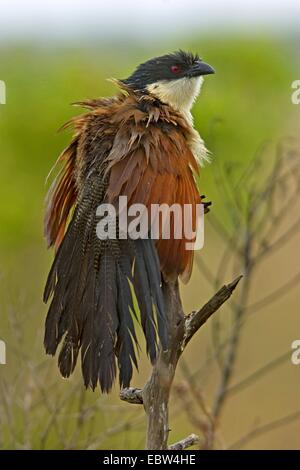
[[132, 395], [258, 373], [277, 294], [230, 358], [204, 422], [195, 320], [189, 441], [265, 428]]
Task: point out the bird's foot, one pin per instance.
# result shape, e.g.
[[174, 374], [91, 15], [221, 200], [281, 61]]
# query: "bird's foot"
[[205, 204]]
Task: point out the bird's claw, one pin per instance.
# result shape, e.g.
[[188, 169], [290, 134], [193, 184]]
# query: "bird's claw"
[[205, 204]]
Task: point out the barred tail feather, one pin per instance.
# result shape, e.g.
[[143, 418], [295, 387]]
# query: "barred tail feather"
[[92, 306]]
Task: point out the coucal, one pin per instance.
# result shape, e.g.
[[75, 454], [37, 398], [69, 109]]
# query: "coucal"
[[140, 144]]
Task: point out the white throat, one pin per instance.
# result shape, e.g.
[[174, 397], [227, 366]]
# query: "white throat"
[[180, 93]]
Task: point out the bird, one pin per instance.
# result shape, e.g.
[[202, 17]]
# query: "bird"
[[142, 144]]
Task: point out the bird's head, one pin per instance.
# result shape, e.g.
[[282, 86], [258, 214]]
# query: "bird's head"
[[175, 79]]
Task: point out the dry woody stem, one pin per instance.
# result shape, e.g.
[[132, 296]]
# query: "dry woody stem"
[[155, 395]]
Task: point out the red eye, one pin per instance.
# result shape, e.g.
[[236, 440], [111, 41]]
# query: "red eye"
[[175, 69]]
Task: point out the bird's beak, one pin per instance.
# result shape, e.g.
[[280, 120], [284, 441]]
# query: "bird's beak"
[[201, 68]]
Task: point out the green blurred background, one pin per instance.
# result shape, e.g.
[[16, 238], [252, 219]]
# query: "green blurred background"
[[247, 102]]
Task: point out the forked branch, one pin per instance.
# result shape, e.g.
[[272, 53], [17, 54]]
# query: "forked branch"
[[156, 393]]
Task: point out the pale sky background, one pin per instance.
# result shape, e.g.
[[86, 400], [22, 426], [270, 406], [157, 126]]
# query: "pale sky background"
[[141, 19]]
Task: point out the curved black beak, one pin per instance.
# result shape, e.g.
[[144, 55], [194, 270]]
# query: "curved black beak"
[[201, 68]]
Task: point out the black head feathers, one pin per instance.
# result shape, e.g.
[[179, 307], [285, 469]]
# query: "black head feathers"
[[172, 66]]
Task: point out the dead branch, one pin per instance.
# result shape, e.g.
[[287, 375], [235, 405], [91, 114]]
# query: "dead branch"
[[195, 320], [156, 393], [132, 395], [189, 441]]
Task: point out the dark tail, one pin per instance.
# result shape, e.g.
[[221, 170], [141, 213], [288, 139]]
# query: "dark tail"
[[100, 289]]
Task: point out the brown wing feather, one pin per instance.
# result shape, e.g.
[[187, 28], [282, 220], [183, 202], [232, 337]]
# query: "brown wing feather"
[[61, 197], [156, 166]]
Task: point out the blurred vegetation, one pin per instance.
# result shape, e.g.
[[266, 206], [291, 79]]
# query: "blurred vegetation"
[[245, 104]]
